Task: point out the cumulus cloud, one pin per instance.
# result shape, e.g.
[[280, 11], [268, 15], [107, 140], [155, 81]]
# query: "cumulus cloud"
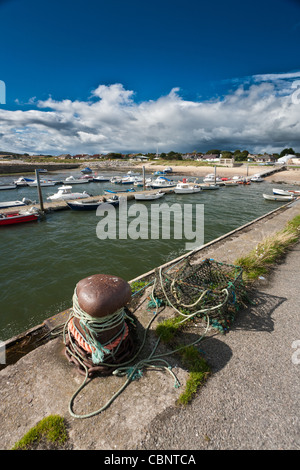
[[261, 114]]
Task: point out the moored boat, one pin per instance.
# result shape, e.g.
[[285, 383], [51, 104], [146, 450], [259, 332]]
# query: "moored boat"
[[64, 193], [72, 180], [162, 182], [7, 186], [18, 217], [148, 196], [209, 186], [276, 197], [42, 183], [257, 179], [282, 192], [119, 191], [8, 204], [92, 205], [212, 178], [187, 188], [86, 170], [22, 181], [100, 179]]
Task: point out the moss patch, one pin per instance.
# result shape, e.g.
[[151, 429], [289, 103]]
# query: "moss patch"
[[50, 433]]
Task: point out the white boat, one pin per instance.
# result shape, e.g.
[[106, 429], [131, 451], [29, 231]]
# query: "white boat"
[[237, 178], [187, 188], [168, 170], [72, 180], [148, 196], [8, 204], [64, 193], [131, 180], [257, 179], [230, 183], [7, 186], [211, 178], [100, 179], [132, 173], [116, 179], [22, 181], [42, 183], [209, 186], [139, 182], [276, 197], [282, 192], [162, 182]]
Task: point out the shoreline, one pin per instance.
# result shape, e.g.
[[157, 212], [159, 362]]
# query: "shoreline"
[[289, 175]]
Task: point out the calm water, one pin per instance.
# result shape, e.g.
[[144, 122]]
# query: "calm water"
[[41, 263]]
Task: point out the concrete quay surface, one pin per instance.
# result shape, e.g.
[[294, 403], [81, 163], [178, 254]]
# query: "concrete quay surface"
[[251, 400]]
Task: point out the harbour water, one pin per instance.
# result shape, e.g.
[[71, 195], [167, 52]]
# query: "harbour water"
[[41, 262]]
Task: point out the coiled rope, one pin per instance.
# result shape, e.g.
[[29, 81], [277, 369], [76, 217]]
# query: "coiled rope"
[[93, 327], [129, 368]]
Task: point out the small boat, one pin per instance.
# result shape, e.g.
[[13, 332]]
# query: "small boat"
[[119, 191], [230, 183], [72, 180], [257, 179], [168, 169], [282, 192], [86, 170], [42, 183], [92, 205], [7, 186], [278, 197], [64, 193], [128, 180], [18, 217], [100, 179], [187, 188], [7, 204], [237, 178], [209, 186], [132, 173], [22, 181], [211, 178], [162, 182], [116, 179], [148, 196]]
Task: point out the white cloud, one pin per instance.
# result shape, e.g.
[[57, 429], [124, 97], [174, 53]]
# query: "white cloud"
[[255, 116]]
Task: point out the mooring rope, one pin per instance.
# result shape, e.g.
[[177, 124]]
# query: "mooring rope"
[[92, 327], [129, 368]]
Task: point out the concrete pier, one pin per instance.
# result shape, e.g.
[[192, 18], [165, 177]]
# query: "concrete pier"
[[38, 380]]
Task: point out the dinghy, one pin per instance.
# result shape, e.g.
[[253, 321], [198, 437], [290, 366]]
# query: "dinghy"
[[148, 196], [276, 197]]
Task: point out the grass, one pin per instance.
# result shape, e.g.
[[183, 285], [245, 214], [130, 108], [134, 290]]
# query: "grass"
[[168, 329], [267, 253], [51, 429], [199, 371], [190, 356]]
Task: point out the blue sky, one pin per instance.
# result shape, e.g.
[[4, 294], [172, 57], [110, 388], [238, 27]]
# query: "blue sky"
[[98, 76]]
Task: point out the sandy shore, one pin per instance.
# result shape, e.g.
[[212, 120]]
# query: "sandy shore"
[[289, 176]]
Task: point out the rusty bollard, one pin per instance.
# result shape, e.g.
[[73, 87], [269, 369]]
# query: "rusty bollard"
[[97, 336]]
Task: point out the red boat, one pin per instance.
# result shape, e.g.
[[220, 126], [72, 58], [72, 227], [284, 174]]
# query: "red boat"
[[17, 217]]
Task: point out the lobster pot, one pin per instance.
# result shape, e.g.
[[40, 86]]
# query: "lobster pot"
[[210, 287], [98, 337]]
